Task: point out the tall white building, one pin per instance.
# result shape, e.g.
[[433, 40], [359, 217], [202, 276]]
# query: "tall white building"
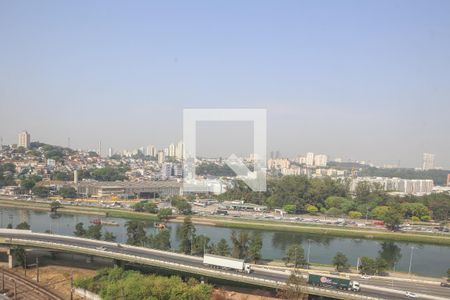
[[310, 159], [320, 160], [110, 152], [24, 139], [161, 157], [171, 150], [428, 161], [151, 150], [179, 150]]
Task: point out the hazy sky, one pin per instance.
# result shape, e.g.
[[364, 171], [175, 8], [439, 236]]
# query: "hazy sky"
[[353, 79]]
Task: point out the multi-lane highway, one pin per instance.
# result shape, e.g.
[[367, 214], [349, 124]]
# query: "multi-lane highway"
[[374, 287]]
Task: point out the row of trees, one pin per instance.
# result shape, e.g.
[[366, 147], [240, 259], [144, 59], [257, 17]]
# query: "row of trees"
[[388, 256], [93, 232], [244, 245], [299, 194]]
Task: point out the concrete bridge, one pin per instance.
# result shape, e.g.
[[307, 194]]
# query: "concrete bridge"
[[171, 261]]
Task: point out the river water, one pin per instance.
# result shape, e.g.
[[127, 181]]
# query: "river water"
[[430, 260]]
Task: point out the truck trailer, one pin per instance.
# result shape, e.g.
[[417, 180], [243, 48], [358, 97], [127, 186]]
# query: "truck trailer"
[[333, 282], [226, 263]]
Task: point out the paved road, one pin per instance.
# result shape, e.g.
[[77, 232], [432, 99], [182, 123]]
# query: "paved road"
[[422, 288]]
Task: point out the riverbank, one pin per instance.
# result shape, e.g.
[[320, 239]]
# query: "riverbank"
[[321, 229]]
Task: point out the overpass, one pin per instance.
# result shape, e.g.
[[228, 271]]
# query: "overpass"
[[182, 263]]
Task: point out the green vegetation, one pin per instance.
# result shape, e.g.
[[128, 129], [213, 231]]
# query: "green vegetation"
[[136, 233], [221, 248], [92, 232], [164, 214], [28, 183], [214, 169], [109, 174], [67, 192], [146, 206], [114, 283], [295, 255], [23, 226], [298, 194], [340, 261], [372, 266], [181, 205], [109, 237], [161, 240], [186, 235], [295, 288], [54, 206], [41, 191]]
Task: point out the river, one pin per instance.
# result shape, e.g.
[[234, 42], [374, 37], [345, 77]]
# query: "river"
[[428, 260]]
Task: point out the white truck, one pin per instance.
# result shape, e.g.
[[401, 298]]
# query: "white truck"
[[224, 262]]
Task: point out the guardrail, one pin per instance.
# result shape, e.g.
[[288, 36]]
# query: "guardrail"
[[176, 266]]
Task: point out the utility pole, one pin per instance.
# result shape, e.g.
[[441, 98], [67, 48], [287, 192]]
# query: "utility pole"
[[309, 250], [71, 285], [3, 280], [25, 261], [357, 264], [410, 260], [37, 269], [15, 290]]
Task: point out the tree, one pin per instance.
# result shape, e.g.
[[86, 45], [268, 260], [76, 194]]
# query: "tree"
[[295, 255], [200, 244], [27, 184], [381, 265], [221, 248], [94, 232], [290, 208], [136, 233], [20, 255], [367, 266], [295, 288], [68, 192], [240, 244], [109, 237], [54, 206], [164, 214], [379, 212], [41, 191], [255, 247], [79, 230], [161, 240], [334, 212], [23, 226], [340, 261], [187, 233], [370, 266], [146, 206], [390, 252], [181, 205], [354, 214], [393, 217], [311, 209]]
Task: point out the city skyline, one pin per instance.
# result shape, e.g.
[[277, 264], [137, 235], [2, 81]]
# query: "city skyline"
[[174, 149], [332, 78]]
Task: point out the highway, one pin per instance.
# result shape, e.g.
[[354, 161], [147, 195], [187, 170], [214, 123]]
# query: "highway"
[[374, 287]]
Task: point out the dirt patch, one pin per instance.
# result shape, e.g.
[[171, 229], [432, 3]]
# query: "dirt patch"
[[57, 277]]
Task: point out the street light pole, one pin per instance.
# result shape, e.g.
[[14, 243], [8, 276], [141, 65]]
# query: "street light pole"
[[410, 260], [309, 250]]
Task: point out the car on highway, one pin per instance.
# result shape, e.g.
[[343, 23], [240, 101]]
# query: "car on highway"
[[445, 284], [364, 276], [100, 248], [410, 294]]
